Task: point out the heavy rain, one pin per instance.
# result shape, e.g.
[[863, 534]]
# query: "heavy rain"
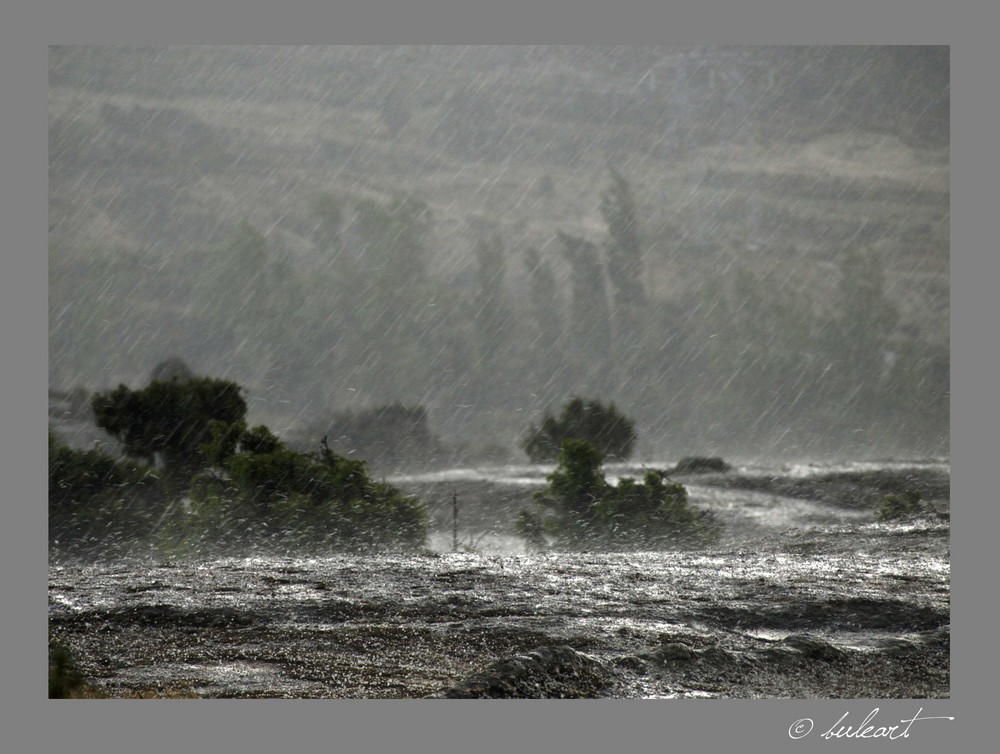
[[499, 371]]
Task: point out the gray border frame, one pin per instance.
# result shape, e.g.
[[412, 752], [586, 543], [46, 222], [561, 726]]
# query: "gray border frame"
[[33, 723]]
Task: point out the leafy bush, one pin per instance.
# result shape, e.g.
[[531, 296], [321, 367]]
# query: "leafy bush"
[[580, 509], [65, 679], [97, 502], [78, 476], [903, 505], [609, 432], [276, 496], [221, 485]]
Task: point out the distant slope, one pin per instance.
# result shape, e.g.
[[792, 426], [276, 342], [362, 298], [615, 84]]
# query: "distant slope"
[[775, 160]]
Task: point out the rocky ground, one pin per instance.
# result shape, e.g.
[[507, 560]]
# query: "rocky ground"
[[835, 605]]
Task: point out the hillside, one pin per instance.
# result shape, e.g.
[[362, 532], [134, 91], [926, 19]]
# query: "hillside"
[[768, 160]]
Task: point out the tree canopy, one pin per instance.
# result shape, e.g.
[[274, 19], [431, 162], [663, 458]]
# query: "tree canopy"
[[180, 423], [610, 432], [240, 487]]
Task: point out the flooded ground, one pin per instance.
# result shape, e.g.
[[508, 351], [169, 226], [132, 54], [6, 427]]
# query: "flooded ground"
[[805, 596]]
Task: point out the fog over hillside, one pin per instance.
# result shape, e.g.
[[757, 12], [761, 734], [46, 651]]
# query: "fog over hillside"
[[746, 249]]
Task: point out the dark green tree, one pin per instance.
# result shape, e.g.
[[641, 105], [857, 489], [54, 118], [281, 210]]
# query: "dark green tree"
[[77, 477], [311, 498], [259, 439], [609, 432], [579, 508], [182, 424], [574, 492], [99, 504]]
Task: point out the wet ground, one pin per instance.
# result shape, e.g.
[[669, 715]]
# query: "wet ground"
[[805, 596]]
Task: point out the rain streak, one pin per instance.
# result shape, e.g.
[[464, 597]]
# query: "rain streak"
[[499, 371]]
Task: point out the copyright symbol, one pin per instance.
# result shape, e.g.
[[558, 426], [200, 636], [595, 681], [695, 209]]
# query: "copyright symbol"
[[800, 728]]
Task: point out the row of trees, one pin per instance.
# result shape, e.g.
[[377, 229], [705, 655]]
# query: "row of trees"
[[739, 357], [194, 475]]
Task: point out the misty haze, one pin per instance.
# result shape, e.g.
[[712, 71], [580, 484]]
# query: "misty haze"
[[524, 371]]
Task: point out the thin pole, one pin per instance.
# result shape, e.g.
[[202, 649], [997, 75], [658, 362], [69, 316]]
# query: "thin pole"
[[454, 521]]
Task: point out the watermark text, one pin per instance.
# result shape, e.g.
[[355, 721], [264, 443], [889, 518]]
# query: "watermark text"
[[867, 728]]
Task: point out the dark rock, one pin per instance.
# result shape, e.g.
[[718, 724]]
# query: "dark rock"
[[554, 672], [701, 465], [813, 647], [667, 654]]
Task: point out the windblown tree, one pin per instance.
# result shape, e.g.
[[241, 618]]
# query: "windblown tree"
[[579, 508], [610, 432], [396, 295], [858, 337], [624, 255], [492, 317], [327, 213], [546, 358], [589, 330], [183, 424], [247, 303]]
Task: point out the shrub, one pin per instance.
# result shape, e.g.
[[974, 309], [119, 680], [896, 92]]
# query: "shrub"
[[77, 476], [580, 509], [65, 679], [277, 496], [903, 505], [97, 502], [221, 483], [603, 427], [258, 493]]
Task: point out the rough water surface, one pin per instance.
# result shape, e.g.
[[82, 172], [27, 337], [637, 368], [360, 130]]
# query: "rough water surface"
[[806, 596]]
